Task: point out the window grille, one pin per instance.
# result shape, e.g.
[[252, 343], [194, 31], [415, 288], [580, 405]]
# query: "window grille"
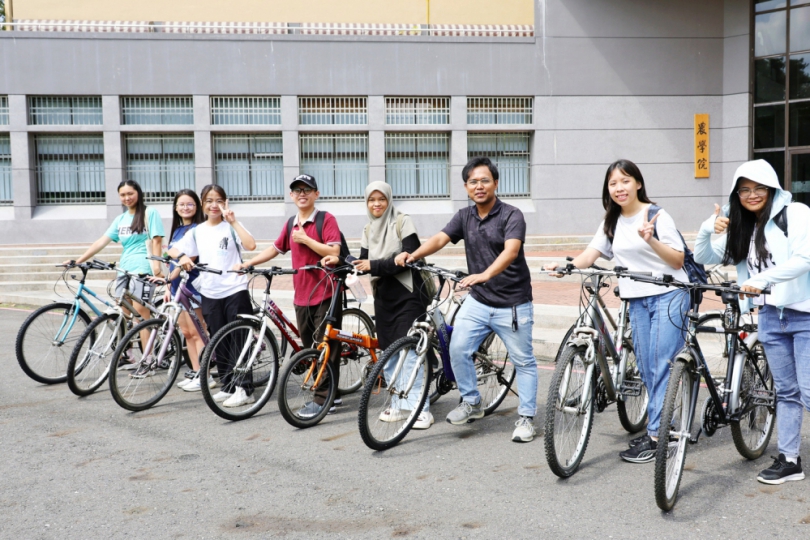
[[5, 171], [161, 164], [332, 110], [245, 110], [416, 110], [249, 167], [70, 169], [3, 110], [417, 164], [338, 161], [64, 110], [510, 153], [499, 110], [140, 110]]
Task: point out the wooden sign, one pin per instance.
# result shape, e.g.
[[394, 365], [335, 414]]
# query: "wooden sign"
[[701, 146]]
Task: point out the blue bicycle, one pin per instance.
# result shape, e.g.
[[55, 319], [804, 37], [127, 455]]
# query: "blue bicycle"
[[405, 376]]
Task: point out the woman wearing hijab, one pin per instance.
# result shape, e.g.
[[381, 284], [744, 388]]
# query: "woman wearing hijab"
[[399, 296]]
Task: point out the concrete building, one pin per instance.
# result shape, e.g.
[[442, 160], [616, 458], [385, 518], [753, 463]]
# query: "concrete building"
[[249, 93]]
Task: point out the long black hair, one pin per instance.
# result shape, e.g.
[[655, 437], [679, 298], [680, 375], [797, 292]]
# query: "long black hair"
[[139, 219], [177, 221], [613, 210], [741, 225]]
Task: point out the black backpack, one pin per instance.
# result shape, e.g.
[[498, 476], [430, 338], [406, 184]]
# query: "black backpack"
[[781, 220], [319, 217]]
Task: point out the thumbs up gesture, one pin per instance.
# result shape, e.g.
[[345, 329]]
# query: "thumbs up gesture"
[[647, 228], [720, 221]]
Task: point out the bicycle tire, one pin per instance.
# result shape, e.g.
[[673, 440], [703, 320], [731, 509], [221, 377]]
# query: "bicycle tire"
[[378, 399], [230, 341], [38, 356], [493, 367], [758, 419], [88, 367], [138, 394], [294, 394], [354, 359], [632, 409], [564, 453], [670, 456]]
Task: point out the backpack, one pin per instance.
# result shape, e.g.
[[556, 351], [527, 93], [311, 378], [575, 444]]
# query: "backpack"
[[780, 220], [319, 217]]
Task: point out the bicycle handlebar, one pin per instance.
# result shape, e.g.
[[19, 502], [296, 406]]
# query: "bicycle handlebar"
[[272, 271], [202, 267], [668, 281], [452, 275]]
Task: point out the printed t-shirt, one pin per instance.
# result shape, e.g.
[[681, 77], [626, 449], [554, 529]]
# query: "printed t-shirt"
[[133, 256], [194, 274]]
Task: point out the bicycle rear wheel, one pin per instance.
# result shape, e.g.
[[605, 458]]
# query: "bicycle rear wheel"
[[387, 412], [632, 409], [46, 339], [153, 377], [297, 400], [752, 432], [90, 360], [494, 371], [569, 411], [673, 435], [354, 359]]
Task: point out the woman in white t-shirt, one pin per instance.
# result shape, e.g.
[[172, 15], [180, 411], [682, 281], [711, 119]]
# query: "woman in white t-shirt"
[[656, 313], [218, 242]]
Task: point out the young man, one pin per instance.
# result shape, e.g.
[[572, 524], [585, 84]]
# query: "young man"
[[501, 295], [313, 293]]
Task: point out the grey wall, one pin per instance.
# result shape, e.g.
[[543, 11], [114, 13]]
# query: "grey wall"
[[611, 78]]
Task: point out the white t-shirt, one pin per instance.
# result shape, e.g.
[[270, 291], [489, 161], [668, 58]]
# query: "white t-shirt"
[[215, 246], [755, 266], [633, 253]]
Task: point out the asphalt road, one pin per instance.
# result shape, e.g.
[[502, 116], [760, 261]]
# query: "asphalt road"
[[84, 468]]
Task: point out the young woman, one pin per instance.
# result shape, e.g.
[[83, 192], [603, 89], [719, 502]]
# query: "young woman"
[[656, 313], [218, 242], [140, 231], [187, 214], [399, 297], [766, 236]]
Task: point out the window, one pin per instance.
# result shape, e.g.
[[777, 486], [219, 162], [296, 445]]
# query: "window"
[[338, 161], [5, 170], [332, 110], [157, 110], [249, 167], [499, 110], [70, 169], [161, 164], [64, 110], [416, 110], [510, 153], [245, 110], [3, 110], [417, 164]]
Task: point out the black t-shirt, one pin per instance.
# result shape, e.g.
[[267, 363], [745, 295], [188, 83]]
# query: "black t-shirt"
[[484, 241]]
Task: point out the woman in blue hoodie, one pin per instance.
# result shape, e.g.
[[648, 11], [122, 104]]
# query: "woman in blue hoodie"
[[766, 236]]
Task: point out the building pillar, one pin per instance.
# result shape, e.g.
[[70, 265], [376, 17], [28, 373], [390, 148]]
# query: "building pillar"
[[376, 138], [290, 148], [114, 150], [23, 159], [458, 150], [203, 155]]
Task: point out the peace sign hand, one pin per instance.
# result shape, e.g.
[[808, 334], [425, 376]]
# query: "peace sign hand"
[[227, 213], [720, 221], [647, 228]]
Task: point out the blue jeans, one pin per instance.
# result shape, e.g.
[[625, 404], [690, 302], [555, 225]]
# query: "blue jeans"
[[787, 345], [474, 322], [412, 401], [656, 341]]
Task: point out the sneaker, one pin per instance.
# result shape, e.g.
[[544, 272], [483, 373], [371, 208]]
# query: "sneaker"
[[465, 412], [127, 362], [524, 430], [782, 471], [423, 421], [185, 382], [144, 370], [190, 374], [221, 396], [643, 452], [194, 385], [394, 415], [335, 404], [238, 398], [638, 440], [309, 410]]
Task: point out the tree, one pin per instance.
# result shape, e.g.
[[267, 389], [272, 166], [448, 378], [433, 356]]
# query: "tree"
[[2, 13]]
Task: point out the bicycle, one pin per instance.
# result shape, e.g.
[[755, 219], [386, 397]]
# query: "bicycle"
[[393, 398], [91, 358], [743, 399], [158, 357], [594, 368], [46, 336]]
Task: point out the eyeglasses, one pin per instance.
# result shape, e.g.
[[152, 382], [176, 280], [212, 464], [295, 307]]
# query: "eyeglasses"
[[474, 183], [190, 205], [302, 190], [759, 191]]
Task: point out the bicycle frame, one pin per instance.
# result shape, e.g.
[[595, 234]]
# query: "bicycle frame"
[[78, 299]]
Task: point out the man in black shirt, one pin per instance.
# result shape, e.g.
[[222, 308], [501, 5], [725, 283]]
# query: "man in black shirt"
[[501, 295]]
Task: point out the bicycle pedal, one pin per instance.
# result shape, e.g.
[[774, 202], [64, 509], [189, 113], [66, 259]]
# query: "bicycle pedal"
[[694, 439]]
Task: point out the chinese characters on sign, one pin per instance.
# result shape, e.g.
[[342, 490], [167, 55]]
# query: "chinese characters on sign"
[[701, 146]]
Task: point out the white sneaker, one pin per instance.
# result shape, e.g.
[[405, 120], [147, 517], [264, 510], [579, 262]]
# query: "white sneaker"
[[221, 396], [185, 382], [394, 415], [423, 421], [524, 430], [194, 385], [238, 398]]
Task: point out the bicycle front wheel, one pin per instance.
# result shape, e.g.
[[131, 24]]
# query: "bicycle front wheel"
[[752, 432], [673, 435], [632, 405], [154, 374], [353, 358], [300, 403], [90, 360], [230, 351], [388, 407], [494, 371], [46, 339]]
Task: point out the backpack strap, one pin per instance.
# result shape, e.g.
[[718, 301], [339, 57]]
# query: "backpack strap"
[[780, 220], [319, 217], [651, 211]]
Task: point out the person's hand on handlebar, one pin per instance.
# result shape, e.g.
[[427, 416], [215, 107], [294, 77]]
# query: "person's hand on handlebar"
[[749, 291], [553, 267], [403, 258], [362, 265], [240, 266], [186, 262], [330, 260]]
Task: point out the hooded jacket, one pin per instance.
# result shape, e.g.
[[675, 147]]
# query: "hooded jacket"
[[789, 279]]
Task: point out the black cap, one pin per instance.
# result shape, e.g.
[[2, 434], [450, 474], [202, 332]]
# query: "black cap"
[[306, 179]]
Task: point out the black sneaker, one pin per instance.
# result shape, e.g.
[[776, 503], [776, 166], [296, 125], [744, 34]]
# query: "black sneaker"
[[644, 452], [638, 440], [782, 471]]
